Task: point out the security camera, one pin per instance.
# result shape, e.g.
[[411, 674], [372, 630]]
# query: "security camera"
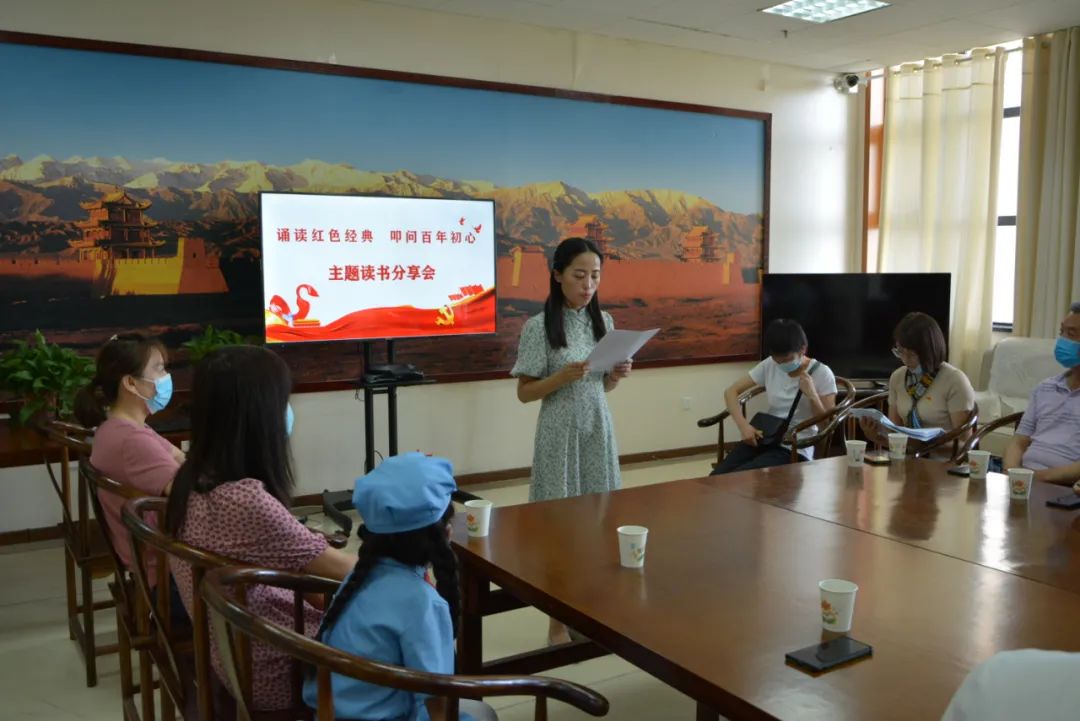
[[848, 82]]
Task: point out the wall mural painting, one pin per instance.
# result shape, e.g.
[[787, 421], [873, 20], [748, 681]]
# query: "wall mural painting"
[[129, 182]]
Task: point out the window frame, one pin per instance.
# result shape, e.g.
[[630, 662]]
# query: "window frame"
[[1005, 221]]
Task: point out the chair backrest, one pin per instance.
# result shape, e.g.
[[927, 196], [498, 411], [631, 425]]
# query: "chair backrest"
[[846, 391], [719, 418], [960, 433], [982, 431], [826, 423], [954, 436], [98, 483], [74, 442], [235, 625], [878, 401], [145, 537]]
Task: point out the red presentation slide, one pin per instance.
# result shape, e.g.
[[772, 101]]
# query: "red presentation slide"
[[340, 267]]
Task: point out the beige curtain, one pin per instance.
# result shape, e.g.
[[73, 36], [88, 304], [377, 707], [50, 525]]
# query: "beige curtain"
[[1048, 210], [939, 185]]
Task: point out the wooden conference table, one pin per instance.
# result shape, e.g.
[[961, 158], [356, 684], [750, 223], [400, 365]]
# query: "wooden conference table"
[[949, 572], [918, 503]]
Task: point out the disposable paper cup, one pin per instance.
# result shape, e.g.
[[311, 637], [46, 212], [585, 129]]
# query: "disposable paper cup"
[[979, 463], [632, 545], [837, 604], [477, 518], [1020, 480], [897, 446], [856, 452]]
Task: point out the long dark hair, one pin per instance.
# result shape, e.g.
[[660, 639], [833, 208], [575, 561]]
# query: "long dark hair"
[[556, 301], [238, 401], [412, 548], [123, 355]]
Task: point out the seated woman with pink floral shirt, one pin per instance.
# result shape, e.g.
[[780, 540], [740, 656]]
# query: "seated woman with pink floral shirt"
[[231, 497]]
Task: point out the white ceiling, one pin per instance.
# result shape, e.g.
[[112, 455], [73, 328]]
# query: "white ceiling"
[[908, 30]]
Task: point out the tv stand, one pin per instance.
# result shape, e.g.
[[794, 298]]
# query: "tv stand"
[[866, 387], [384, 379]]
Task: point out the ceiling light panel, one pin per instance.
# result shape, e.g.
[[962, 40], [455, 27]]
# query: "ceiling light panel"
[[824, 11]]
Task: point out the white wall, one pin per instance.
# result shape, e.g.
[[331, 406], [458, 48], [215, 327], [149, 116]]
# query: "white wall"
[[814, 193]]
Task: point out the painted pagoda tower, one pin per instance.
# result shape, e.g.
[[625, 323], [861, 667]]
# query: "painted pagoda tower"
[[700, 246], [117, 224], [592, 228]]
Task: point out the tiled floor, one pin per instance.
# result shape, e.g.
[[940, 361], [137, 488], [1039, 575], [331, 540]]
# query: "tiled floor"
[[42, 677]]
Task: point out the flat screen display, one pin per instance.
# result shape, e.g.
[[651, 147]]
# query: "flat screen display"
[[355, 268], [849, 318]]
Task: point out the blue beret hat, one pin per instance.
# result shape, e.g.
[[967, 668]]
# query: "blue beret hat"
[[404, 493]]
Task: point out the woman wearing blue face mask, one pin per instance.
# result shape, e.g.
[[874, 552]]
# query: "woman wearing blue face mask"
[[130, 382], [926, 391], [231, 497], [791, 379]]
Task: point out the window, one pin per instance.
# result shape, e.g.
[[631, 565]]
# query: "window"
[[875, 143], [1008, 184]]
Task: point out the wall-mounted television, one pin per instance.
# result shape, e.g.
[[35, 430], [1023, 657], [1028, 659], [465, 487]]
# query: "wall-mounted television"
[[358, 268], [849, 317]]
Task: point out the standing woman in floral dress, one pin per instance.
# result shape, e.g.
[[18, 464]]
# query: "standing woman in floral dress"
[[574, 451]]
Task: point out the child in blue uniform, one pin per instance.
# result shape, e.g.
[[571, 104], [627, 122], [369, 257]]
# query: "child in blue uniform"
[[386, 610]]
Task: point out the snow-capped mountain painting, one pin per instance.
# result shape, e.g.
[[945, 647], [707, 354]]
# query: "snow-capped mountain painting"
[[676, 199]]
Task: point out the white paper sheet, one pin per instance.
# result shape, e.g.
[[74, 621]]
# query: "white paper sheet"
[[919, 434], [616, 346]]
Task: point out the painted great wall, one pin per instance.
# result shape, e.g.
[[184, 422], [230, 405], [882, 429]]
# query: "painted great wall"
[[118, 255]]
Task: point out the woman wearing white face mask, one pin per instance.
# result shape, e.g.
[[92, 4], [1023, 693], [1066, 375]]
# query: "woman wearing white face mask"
[[796, 386], [926, 391], [129, 384]]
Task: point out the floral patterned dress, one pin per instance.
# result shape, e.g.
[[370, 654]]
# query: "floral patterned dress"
[[241, 521], [575, 451]]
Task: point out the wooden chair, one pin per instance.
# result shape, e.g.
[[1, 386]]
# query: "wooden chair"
[[719, 418], [86, 550], [132, 612], [981, 432], [925, 450], [877, 401], [880, 401], [845, 397], [235, 625], [821, 441], [181, 656]]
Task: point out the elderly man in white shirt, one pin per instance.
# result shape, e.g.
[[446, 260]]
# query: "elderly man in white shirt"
[[1026, 685]]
